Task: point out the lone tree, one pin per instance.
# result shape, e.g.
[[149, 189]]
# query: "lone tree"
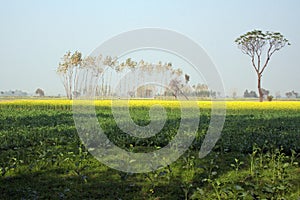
[[260, 47], [40, 92]]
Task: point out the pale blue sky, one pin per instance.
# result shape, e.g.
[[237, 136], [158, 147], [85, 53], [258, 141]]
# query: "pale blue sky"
[[35, 34]]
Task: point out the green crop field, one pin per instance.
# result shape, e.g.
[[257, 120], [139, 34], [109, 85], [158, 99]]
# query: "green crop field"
[[257, 156]]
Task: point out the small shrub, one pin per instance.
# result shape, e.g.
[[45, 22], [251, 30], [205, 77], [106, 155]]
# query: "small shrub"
[[270, 97]]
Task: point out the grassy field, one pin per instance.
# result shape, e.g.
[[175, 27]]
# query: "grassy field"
[[257, 157]]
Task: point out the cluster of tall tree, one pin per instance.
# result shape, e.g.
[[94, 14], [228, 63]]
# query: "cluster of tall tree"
[[97, 75], [252, 94], [76, 72], [199, 90], [292, 94]]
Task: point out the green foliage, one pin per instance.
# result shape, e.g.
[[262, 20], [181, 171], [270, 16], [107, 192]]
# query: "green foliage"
[[40, 151], [270, 97], [253, 41]]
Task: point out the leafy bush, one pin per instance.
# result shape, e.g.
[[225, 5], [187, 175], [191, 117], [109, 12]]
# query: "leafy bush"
[[270, 97]]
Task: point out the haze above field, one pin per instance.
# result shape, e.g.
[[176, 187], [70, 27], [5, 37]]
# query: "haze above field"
[[36, 34]]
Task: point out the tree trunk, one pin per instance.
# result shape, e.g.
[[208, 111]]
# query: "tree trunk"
[[261, 96]]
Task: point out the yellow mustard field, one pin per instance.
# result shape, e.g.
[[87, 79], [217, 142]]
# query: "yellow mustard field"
[[295, 105]]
